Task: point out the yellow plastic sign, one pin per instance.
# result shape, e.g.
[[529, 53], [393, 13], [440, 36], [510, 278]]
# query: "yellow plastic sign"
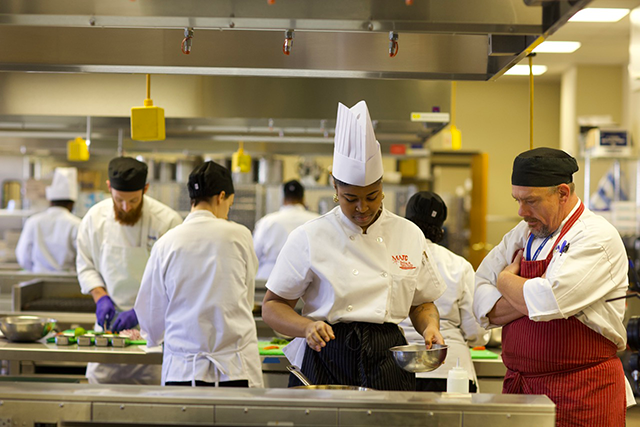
[[77, 150], [147, 123]]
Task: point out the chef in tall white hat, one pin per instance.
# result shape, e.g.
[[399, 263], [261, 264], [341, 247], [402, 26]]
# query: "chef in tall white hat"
[[48, 240], [359, 269]]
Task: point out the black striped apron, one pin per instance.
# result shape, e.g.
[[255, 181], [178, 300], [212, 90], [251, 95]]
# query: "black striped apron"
[[359, 356]]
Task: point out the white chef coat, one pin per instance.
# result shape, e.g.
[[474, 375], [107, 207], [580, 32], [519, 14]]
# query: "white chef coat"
[[112, 255], [577, 282], [458, 326], [272, 230], [344, 275], [197, 296], [48, 241]]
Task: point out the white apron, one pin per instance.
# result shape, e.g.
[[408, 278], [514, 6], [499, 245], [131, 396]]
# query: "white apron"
[[122, 268]]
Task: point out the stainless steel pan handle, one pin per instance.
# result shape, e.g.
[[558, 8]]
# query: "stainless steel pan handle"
[[298, 373]]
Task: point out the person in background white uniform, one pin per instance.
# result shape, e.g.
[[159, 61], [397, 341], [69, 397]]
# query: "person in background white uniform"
[[197, 292], [114, 241], [360, 271], [48, 240], [458, 325], [272, 230]]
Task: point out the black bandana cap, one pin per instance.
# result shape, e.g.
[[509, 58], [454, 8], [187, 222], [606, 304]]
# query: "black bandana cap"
[[543, 167], [127, 174], [428, 207], [208, 180]]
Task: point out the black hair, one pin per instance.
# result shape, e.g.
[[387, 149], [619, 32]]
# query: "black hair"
[[62, 204], [195, 201], [293, 191], [430, 231]]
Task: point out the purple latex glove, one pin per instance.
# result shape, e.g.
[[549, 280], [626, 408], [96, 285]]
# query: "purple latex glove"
[[125, 320], [105, 311]]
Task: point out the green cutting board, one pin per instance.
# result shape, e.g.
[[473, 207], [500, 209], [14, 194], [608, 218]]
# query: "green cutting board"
[[483, 354], [270, 352]]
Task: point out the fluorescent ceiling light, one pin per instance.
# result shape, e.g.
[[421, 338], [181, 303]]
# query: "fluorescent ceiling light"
[[593, 14], [523, 70], [557, 47]]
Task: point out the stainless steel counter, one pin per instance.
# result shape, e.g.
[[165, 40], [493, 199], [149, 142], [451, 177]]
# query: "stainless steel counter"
[[73, 353], [99, 405]]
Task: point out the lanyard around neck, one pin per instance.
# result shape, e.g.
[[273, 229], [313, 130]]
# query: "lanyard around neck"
[[530, 242]]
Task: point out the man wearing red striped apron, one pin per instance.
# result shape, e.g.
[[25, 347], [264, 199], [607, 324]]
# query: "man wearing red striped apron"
[[547, 284]]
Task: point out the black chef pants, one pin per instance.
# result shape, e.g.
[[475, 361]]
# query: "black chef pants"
[[358, 356]]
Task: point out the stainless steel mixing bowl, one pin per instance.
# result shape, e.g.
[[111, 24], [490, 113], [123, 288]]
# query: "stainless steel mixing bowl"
[[26, 328], [416, 358]]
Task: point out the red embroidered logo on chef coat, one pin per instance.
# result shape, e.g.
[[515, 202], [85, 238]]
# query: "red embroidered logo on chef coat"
[[402, 261]]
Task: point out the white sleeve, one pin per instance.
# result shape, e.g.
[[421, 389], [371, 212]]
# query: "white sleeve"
[[430, 284], [88, 275], [151, 302], [292, 273], [591, 268], [473, 333], [258, 239], [252, 269], [486, 294], [25, 247]]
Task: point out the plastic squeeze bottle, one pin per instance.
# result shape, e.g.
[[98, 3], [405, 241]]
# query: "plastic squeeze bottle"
[[458, 380]]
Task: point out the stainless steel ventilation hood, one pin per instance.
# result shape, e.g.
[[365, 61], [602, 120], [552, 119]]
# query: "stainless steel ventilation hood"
[[48, 135], [437, 39]]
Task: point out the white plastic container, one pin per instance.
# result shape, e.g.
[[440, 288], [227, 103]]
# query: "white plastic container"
[[458, 380]]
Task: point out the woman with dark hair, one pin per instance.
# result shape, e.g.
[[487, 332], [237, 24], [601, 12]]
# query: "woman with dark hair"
[[197, 292], [458, 325], [359, 269]]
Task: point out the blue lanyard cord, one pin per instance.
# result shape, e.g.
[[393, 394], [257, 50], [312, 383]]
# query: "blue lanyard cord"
[[530, 242]]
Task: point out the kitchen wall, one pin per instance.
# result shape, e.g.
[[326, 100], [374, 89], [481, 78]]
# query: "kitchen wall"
[[492, 116]]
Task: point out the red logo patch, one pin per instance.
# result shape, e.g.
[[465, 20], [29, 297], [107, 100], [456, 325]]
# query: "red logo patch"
[[402, 261]]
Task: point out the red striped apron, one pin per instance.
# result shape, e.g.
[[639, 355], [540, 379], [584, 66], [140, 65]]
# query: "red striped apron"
[[573, 365]]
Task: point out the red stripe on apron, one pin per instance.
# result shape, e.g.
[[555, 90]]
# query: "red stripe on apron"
[[573, 365]]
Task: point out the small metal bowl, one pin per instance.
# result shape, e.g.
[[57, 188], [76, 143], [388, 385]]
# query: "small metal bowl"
[[26, 328], [417, 358]]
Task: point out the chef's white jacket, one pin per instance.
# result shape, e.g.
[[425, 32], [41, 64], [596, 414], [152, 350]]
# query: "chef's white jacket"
[[344, 275], [271, 232], [458, 325], [48, 241], [578, 281], [197, 296], [112, 255]]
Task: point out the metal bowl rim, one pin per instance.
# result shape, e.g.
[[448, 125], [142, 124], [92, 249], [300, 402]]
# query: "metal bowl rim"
[[416, 348], [9, 319]]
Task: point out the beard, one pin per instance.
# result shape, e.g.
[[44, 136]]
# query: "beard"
[[541, 232], [128, 218]]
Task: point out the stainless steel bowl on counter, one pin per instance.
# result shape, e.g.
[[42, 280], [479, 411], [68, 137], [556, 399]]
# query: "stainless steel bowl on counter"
[[26, 328], [417, 358]]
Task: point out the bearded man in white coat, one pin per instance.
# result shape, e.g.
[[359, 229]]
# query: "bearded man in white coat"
[[271, 231], [114, 242], [197, 292], [48, 240]]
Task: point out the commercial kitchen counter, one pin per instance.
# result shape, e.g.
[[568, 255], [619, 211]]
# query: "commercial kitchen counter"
[[83, 404]]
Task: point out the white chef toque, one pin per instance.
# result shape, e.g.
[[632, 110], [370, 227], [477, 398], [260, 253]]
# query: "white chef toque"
[[357, 159], [64, 185]]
